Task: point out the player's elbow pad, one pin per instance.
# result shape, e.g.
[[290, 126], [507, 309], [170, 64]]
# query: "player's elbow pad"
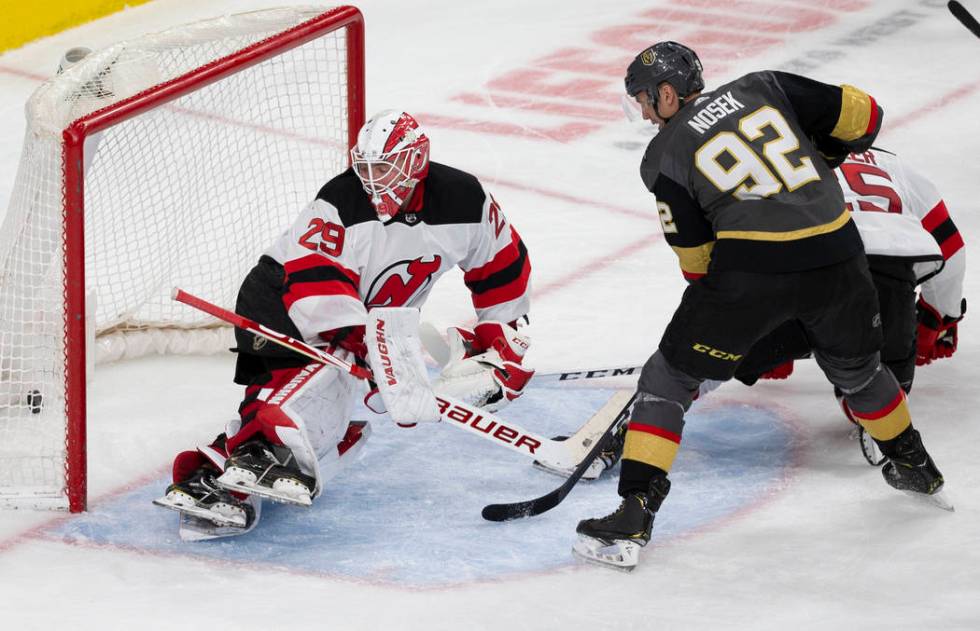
[[857, 127], [863, 143]]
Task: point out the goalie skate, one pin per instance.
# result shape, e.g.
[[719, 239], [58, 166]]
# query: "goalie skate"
[[197, 529], [618, 554], [202, 498], [269, 471]]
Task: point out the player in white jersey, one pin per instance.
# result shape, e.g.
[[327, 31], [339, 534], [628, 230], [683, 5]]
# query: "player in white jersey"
[[377, 235], [910, 240], [890, 193]]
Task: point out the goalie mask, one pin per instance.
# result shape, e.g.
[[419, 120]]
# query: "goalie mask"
[[390, 158]]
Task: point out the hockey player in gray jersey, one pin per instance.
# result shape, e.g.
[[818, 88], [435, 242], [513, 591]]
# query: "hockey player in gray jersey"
[[748, 201], [379, 234]]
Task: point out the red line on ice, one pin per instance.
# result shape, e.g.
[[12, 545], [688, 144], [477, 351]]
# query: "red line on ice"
[[951, 97]]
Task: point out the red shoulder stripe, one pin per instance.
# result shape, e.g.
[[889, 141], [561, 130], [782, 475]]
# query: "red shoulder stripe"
[[951, 246], [505, 293], [506, 256], [935, 217]]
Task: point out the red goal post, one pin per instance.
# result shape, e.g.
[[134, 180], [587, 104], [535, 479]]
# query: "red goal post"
[[173, 159]]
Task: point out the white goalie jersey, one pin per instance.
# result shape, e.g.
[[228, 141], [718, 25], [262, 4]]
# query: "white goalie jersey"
[[899, 213], [340, 260]]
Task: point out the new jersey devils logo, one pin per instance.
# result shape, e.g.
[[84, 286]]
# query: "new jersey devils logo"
[[397, 285]]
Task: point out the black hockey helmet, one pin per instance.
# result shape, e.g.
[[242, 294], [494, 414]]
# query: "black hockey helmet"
[[665, 62]]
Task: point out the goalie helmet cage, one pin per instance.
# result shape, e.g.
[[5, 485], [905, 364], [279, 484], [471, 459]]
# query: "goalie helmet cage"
[[172, 159]]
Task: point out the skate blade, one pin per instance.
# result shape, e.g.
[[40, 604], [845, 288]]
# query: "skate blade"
[[202, 513], [619, 555], [193, 529], [197, 529], [276, 495], [939, 499]]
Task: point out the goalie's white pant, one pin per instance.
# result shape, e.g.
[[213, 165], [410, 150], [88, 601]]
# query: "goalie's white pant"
[[305, 408]]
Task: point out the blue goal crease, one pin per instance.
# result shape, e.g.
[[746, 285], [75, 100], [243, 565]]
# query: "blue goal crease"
[[408, 512]]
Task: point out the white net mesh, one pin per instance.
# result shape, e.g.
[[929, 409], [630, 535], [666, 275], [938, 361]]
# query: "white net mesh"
[[187, 194]]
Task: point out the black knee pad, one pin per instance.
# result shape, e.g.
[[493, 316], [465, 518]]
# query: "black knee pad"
[[849, 374], [661, 380]]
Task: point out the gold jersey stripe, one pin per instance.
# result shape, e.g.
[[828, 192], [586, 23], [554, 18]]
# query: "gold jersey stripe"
[[791, 235], [695, 260], [888, 426], [650, 449], [855, 114]]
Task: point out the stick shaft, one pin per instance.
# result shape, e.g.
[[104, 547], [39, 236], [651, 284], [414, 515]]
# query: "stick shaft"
[[964, 16], [273, 336]]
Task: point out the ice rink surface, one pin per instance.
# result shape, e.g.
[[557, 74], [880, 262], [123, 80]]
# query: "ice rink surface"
[[774, 521]]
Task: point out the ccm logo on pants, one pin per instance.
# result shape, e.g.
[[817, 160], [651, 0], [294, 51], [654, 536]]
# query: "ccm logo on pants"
[[714, 352]]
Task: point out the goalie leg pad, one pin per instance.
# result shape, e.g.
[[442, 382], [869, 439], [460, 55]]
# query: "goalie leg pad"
[[348, 450]]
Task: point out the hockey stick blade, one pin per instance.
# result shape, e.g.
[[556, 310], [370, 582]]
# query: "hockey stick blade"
[[964, 16], [543, 504]]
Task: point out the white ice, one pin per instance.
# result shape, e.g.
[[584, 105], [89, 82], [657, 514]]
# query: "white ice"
[[774, 521]]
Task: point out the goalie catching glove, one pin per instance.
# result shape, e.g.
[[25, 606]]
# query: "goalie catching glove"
[[936, 337], [484, 367]]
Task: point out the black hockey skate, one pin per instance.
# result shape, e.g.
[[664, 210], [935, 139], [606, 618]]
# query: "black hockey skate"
[[259, 468], [909, 468], [615, 540], [200, 497]]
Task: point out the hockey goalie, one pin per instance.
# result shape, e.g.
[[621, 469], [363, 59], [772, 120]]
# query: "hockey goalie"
[[377, 235]]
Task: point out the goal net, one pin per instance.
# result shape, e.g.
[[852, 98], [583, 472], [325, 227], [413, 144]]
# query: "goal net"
[[170, 160]]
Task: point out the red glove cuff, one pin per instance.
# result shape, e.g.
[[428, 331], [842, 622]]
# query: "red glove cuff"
[[349, 338], [936, 335], [506, 341], [781, 371]]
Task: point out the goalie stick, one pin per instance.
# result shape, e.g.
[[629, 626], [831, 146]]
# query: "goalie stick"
[[281, 339], [530, 508], [964, 16], [558, 454]]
